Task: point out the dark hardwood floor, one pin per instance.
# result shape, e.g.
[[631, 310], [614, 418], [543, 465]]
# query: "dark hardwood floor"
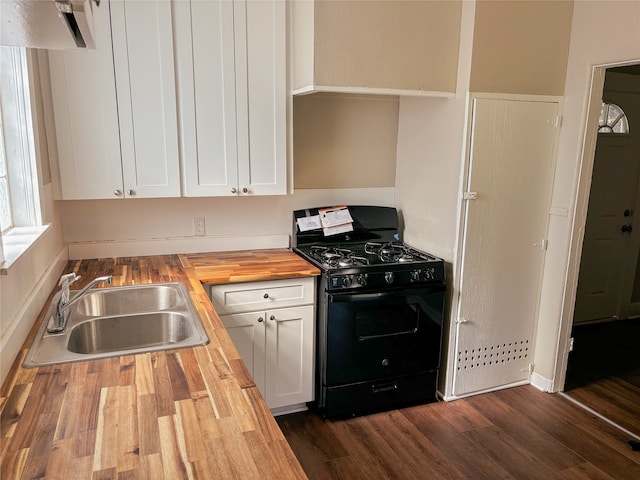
[[604, 370], [517, 433]]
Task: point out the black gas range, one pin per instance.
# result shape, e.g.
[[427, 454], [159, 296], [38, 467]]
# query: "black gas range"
[[380, 310]]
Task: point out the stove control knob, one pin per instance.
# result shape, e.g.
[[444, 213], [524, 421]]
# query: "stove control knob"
[[415, 276], [388, 276], [346, 281], [361, 279]]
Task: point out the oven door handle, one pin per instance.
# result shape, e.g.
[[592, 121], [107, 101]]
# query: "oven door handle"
[[403, 292]]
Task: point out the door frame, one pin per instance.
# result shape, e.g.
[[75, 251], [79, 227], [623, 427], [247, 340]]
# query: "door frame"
[[587, 157], [446, 386]]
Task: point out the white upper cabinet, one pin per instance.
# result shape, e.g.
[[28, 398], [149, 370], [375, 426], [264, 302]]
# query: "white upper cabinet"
[[202, 81], [232, 91], [117, 137], [146, 90], [86, 116], [382, 47]]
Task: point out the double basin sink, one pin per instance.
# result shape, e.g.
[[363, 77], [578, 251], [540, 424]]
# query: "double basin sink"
[[109, 322]]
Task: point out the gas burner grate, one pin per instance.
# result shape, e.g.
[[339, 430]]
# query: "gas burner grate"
[[392, 252], [334, 257]]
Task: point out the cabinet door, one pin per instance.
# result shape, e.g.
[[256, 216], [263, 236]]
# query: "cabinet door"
[[144, 67], [206, 94], [86, 116], [289, 353], [247, 331], [261, 96]]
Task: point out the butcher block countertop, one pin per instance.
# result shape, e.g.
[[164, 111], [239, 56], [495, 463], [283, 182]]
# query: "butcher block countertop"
[[184, 413], [249, 266]]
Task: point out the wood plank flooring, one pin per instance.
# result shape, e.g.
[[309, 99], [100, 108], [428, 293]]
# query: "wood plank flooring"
[[604, 370], [517, 433]]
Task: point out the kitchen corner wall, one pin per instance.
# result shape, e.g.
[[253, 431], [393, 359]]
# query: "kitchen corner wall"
[[25, 289], [105, 228]]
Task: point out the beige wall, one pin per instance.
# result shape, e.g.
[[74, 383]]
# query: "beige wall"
[[342, 141], [410, 45], [521, 46]]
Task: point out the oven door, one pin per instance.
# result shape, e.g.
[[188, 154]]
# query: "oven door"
[[384, 334]]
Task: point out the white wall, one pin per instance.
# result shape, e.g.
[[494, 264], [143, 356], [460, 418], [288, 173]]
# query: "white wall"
[[603, 32], [430, 152], [431, 141], [27, 285], [99, 228]]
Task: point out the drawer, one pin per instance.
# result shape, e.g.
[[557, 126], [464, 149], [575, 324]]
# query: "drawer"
[[247, 297]]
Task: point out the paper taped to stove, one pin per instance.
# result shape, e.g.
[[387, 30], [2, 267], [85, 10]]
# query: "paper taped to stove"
[[335, 220]]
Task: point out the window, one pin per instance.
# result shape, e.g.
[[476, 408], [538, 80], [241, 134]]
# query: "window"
[[20, 214], [612, 119]]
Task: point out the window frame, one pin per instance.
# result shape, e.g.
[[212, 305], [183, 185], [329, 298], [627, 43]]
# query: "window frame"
[[17, 110]]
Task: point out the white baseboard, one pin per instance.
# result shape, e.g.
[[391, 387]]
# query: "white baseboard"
[[541, 383], [488, 390], [166, 246]]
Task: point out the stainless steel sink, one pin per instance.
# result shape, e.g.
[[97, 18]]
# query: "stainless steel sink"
[[128, 300], [121, 321]]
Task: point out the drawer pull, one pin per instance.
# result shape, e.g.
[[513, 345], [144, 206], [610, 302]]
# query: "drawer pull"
[[381, 388], [266, 295]]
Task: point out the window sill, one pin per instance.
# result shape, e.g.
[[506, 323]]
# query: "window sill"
[[16, 242]]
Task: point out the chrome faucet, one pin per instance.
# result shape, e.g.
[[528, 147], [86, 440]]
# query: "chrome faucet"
[[61, 314]]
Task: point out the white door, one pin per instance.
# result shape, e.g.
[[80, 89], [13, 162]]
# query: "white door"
[[610, 247], [289, 352], [511, 159]]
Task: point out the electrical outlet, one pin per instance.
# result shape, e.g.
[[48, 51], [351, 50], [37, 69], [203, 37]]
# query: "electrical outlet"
[[198, 226]]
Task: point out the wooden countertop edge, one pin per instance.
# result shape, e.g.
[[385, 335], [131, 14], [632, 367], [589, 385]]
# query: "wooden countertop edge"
[[58, 419]]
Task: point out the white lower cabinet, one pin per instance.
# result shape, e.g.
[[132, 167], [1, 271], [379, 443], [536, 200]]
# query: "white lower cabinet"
[[276, 344]]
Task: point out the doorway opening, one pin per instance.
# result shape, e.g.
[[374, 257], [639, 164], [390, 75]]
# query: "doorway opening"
[[603, 370]]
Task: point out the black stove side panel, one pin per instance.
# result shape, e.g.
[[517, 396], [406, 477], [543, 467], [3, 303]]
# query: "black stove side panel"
[[370, 223]]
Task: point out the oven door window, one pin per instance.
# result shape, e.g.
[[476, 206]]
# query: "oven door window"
[[378, 335]]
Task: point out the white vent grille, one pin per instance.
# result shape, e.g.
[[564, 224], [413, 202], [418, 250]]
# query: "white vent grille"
[[493, 355]]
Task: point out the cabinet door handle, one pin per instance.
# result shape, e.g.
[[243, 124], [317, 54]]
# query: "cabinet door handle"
[[117, 193], [234, 190], [272, 317], [131, 193], [245, 190], [260, 319]]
